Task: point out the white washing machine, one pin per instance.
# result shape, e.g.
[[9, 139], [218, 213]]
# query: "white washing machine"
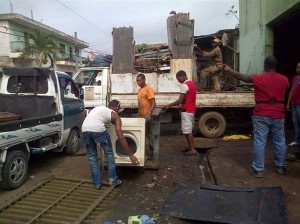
[[134, 132]]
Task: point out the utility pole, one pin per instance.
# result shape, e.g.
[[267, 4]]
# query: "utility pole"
[[76, 52], [11, 6]]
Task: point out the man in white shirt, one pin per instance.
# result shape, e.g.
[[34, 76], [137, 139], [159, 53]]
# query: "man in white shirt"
[[94, 132]]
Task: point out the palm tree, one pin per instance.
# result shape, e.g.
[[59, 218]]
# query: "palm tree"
[[42, 46]]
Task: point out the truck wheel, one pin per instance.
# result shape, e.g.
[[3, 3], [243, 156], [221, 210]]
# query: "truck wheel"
[[15, 169], [72, 143], [212, 124]]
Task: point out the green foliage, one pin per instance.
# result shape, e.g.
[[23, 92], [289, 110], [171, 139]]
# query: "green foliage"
[[41, 46], [141, 47]]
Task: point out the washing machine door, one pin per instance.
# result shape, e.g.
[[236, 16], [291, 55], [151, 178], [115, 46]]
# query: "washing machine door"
[[132, 142], [134, 133]]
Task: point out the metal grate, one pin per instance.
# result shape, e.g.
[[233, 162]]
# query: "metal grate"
[[58, 200]]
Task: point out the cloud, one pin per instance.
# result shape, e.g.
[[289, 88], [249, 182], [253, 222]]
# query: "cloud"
[[93, 20]]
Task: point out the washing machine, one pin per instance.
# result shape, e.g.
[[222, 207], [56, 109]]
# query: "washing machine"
[[134, 133]]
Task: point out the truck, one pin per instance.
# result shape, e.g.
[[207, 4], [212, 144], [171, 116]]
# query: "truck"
[[160, 64], [214, 109], [41, 110]]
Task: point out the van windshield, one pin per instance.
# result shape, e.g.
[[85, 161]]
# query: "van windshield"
[[86, 77]]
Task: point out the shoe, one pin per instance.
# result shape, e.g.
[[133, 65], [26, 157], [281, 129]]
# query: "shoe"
[[116, 183], [258, 174], [293, 144], [185, 150], [98, 187], [189, 153], [281, 170], [292, 157]]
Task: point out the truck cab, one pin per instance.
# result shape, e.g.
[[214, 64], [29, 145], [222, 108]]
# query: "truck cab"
[[94, 85]]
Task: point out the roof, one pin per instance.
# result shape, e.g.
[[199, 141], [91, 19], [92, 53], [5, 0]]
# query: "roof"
[[27, 22], [11, 71]]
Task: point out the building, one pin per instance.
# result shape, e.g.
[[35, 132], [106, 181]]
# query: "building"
[[14, 34], [269, 27]]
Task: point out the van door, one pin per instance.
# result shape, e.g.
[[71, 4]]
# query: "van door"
[[72, 105]]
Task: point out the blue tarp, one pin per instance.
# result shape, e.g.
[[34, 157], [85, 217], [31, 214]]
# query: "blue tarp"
[[100, 61]]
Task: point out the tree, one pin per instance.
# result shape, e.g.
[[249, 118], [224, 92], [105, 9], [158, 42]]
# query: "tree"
[[233, 11], [41, 46]]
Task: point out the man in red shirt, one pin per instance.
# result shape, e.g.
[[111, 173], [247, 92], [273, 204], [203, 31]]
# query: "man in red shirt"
[[294, 101], [268, 114], [187, 99]]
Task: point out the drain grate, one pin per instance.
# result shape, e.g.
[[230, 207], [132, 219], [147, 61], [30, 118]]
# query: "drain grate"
[[58, 200]]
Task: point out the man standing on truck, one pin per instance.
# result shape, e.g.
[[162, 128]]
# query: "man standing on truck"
[[94, 132], [187, 99], [294, 101], [214, 70], [146, 105], [268, 114]]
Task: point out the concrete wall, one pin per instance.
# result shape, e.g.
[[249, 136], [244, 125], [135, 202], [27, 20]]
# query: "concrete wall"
[[256, 34]]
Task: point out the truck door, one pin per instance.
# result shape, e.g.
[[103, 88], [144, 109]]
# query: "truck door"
[[93, 86], [73, 106]]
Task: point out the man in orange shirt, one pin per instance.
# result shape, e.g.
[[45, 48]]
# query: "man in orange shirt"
[[146, 105]]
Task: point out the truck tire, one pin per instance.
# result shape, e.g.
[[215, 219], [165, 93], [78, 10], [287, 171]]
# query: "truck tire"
[[72, 143], [212, 124], [15, 169]]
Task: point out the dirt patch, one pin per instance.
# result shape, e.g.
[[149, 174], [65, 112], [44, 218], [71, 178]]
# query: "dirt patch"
[[144, 191]]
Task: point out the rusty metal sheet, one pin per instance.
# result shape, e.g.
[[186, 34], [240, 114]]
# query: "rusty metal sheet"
[[122, 50], [180, 35]]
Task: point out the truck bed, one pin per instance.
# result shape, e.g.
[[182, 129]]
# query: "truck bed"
[[203, 99], [15, 132]]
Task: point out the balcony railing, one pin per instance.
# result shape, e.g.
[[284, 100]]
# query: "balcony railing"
[[17, 46]]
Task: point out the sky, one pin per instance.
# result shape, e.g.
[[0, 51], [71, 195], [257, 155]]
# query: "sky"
[[94, 20]]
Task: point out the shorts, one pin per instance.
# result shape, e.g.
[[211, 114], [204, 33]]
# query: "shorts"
[[187, 122]]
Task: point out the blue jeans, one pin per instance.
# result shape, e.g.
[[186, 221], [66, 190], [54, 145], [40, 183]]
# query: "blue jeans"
[[91, 139], [261, 128], [296, 121]]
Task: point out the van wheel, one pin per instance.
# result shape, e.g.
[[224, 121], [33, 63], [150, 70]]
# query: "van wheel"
[[15, 169], [72, 143], [212, 124]]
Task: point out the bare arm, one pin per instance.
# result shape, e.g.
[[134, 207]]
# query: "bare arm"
[[116, 120], [152, 106], [288, 104], [244, 77], [177, 102]]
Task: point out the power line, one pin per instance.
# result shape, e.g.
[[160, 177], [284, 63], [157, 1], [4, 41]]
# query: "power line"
[[82, 17]]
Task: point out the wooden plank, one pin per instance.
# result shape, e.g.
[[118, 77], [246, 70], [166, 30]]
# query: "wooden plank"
[[7, 116]]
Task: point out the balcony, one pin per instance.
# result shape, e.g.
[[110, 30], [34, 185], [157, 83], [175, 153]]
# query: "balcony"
[[17, 46]]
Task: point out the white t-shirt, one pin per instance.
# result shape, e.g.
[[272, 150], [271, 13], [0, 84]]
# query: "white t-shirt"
[[96, 119], [184, 87]]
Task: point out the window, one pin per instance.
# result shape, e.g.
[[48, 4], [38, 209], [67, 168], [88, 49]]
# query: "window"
[[27, 84], [62, 48], [87, 77], [68, 89]]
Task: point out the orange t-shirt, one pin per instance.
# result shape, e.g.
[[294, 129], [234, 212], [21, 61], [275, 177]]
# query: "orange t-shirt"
[[145, 94]]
